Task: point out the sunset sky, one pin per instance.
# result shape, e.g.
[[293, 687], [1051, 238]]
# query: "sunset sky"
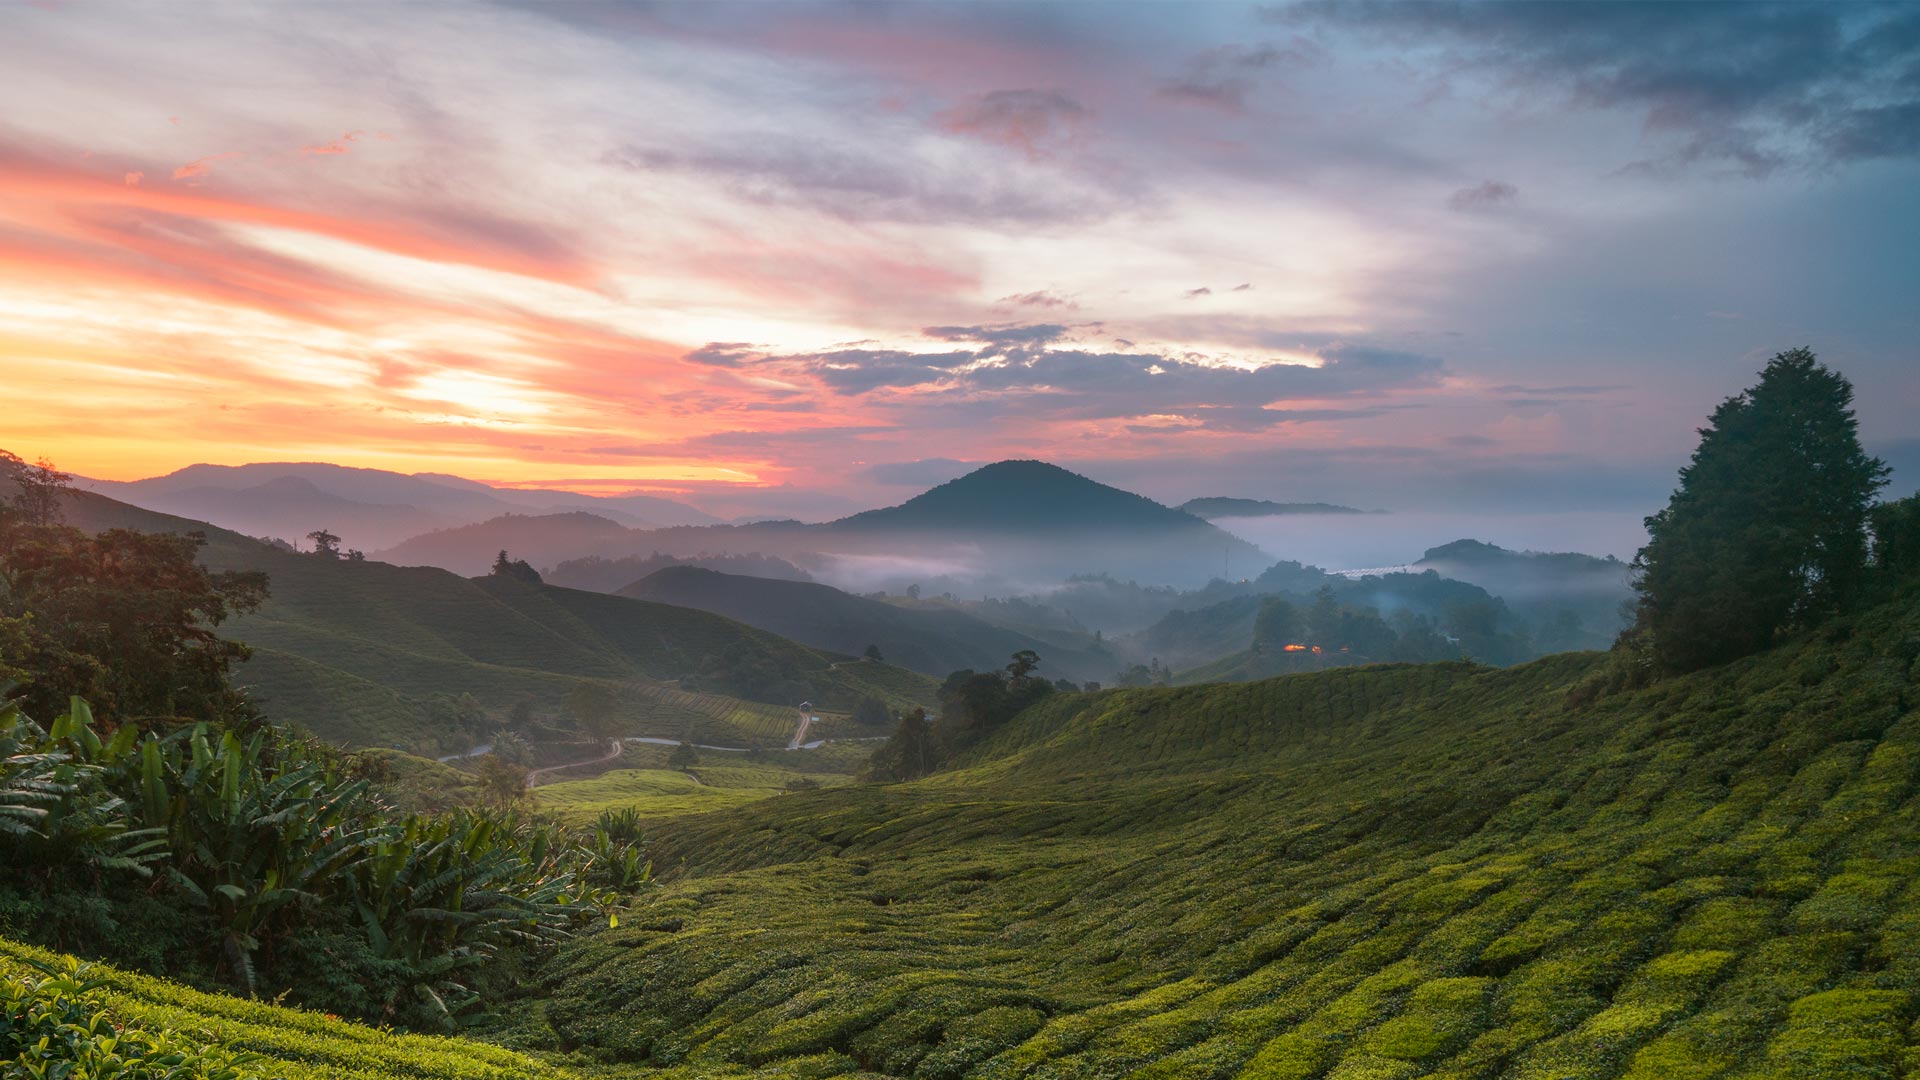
[[796, 257]]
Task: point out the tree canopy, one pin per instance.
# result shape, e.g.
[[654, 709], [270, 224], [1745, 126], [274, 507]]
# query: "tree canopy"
[[1767, 530]]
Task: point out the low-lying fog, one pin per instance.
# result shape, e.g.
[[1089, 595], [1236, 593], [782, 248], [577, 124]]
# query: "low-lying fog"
[[1364, 541]]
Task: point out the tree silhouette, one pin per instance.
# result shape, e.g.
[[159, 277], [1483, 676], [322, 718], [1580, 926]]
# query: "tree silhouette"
[[325, 544], [1767, 530]]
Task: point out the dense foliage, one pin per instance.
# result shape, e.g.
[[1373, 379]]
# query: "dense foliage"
[[1767, 532], [126, 618], [973, 705], [261, 858]]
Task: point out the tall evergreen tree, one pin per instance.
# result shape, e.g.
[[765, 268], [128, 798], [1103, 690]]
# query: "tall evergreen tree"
[[1767, 531]]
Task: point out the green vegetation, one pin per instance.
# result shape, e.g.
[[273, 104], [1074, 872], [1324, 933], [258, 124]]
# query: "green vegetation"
[[98, 1022], [1766, 534], [368, 654], [1382, 871], [933, 639], [266, 864], [659, 782]]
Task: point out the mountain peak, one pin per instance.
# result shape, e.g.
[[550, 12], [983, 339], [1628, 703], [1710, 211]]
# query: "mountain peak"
[[1023, 494]]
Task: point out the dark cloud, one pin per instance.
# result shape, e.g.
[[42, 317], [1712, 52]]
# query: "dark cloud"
[[1221, 78], [925, 472], [1242, 287], [1758, 86], [1002, 337], [856, 371], [1027, 379], [722, 354], [1201, 291], [1035, 122], [1483, 196], [853, 183], [1039, 298]]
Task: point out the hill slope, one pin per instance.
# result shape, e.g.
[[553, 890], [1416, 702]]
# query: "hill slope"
[[291, 1044], [1389, 872], [352, 650], [935, 641], [542, 539]]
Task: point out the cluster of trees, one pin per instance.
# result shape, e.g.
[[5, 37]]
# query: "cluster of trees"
[[268, 862], [973, 704], [326, 545], [517, 569], [1363, 633], [126, 619], [1773, 527], [182, 833]]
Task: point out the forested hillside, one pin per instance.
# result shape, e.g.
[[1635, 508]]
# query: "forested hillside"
[[371, 654]]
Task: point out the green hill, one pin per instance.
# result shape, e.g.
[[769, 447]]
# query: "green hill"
[[355, 651], [286, 1044], [1379, 872], [932, 640]]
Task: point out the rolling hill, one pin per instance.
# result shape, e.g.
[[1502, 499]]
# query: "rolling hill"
[[369, 508], [285, 1043], [1587, 596], [1378, 872], [933, 640], [356, 651], [541, 539]]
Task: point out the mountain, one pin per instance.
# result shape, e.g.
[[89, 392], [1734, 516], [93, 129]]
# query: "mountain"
[[1022, 497], [1392, 872], [1033, 520], [1221, 506], [609, 575], [1584, 598], [933, 640], [368, 508], [1007, 527], [541, 539], [366, 653]]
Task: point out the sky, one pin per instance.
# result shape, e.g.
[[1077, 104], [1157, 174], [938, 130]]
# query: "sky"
[[809, 258]]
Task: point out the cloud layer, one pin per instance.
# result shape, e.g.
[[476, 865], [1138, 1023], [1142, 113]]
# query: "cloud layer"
[[738, 251]]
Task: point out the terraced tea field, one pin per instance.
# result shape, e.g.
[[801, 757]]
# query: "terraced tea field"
[[285, 1044], [1377, 873]]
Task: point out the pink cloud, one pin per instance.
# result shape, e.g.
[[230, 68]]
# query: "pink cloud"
[[133, 178], [337, 146], [1035, 122], [194, 170]]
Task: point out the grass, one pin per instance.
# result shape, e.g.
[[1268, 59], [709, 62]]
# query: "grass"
[[720, 780], [1381, 872], [288, 1044]]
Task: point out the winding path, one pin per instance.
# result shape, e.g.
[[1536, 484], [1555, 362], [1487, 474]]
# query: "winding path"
[[533, 778]]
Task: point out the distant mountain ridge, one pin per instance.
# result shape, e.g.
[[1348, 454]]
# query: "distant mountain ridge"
[[361, 652], [1220, 506], [934, 641], [1015, 521], [368, 508]]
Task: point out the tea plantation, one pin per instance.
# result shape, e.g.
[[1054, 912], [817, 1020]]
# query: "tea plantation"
[[59, 1019], [1379, 873]]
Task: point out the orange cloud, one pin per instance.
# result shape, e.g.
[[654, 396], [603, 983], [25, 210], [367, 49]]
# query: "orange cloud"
[[194, 170], [337, 146]]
